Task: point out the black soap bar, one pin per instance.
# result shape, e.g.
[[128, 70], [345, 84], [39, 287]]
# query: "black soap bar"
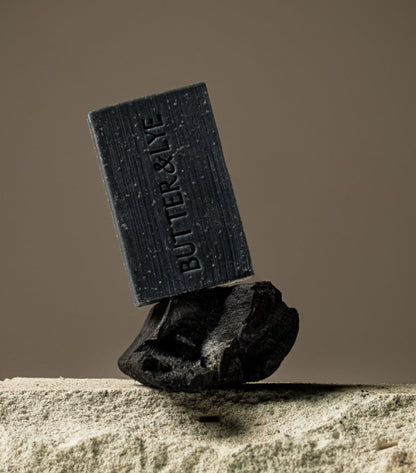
[[170, 194]]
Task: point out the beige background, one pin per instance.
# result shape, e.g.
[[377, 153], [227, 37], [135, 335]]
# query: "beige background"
[[315, 105]]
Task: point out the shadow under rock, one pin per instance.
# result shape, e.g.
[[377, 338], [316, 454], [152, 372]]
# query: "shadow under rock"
[[228, 413], [293, 391]]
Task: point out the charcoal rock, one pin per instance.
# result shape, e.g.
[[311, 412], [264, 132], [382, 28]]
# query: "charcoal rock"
[[213, 338]]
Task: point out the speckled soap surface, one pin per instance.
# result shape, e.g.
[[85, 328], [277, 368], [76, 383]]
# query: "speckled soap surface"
[[112, 425], [170, 193]]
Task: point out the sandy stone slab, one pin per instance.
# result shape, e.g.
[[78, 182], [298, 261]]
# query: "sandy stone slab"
[[112, 425]]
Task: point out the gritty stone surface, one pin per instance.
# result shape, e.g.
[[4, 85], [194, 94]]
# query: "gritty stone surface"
[[109, 425]]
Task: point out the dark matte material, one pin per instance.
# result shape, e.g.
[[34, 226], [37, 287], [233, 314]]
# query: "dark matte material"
[[170, 194], [213, 338]]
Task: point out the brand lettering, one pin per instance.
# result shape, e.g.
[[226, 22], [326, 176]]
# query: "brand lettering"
[[171, 194]]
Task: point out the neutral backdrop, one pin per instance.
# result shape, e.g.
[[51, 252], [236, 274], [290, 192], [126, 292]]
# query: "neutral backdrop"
[[315, 105]]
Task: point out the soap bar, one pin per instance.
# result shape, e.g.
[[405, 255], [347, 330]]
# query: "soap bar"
[[170, 194]]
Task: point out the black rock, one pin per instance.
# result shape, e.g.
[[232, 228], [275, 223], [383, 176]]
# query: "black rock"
[[213, 338]]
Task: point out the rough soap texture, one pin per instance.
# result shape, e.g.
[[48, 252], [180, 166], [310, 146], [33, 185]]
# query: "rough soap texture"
[[108, 426], [213, 338], [170, 194]]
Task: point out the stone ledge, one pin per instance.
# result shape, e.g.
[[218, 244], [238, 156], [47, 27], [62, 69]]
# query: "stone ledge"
[[111, 425]]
